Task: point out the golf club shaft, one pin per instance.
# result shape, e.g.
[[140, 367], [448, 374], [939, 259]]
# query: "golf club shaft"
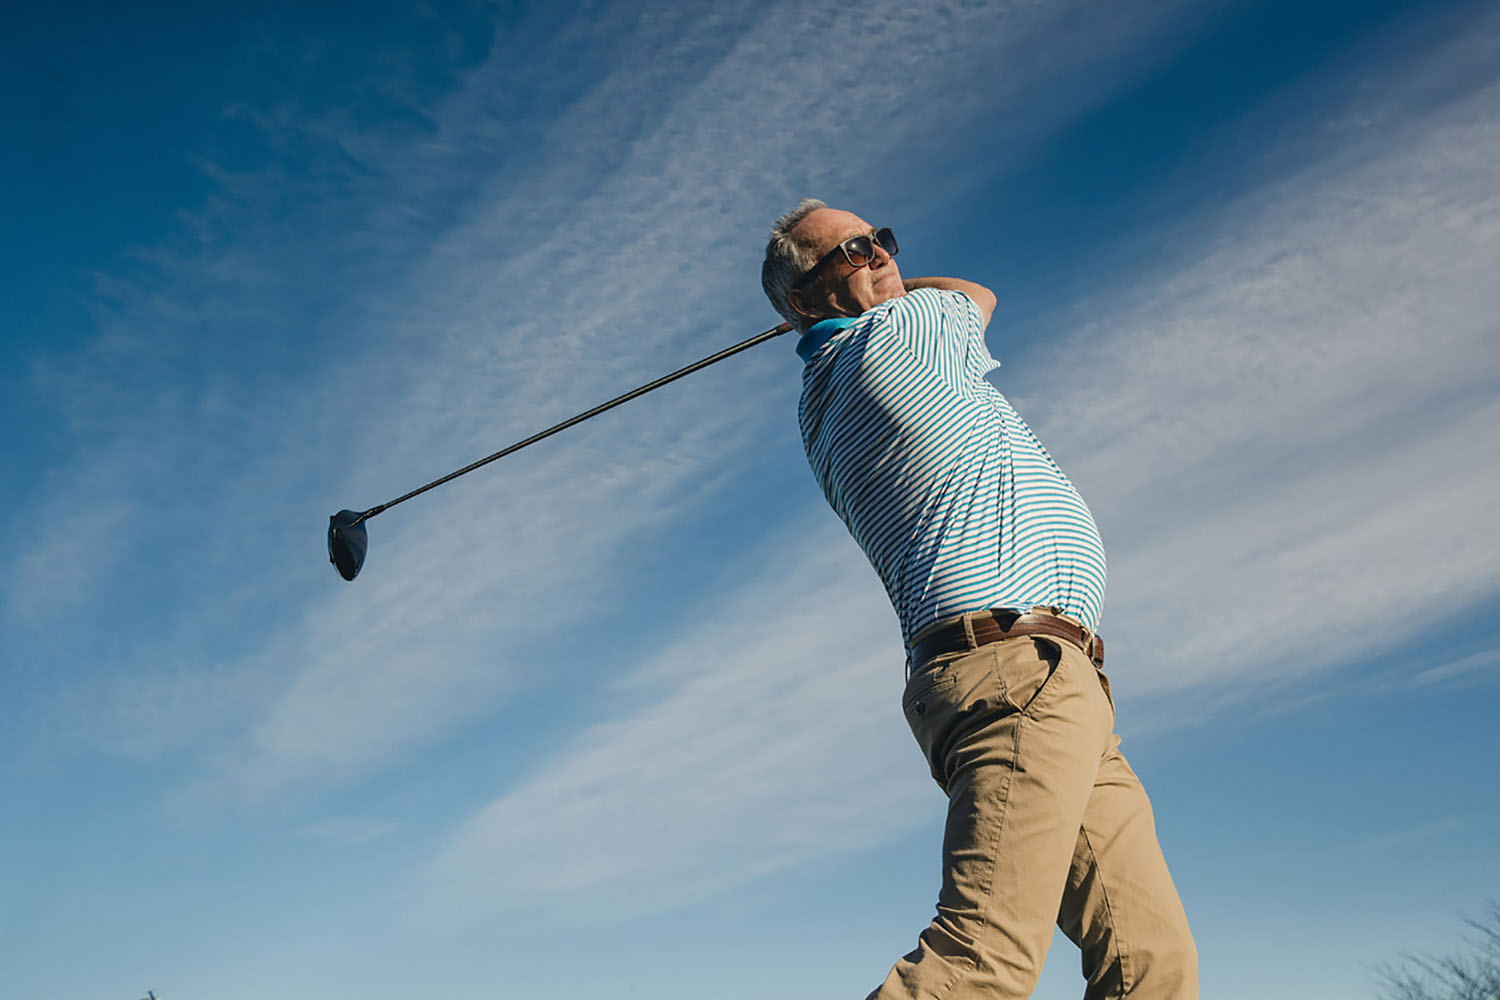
[[632, 394]]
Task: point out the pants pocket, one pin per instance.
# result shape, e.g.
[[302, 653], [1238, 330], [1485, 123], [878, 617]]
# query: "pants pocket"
[[950, 700], [1024, 666], [1062, 649], [940, 696]]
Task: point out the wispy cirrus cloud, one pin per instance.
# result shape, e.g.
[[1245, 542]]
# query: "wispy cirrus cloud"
[[1286, 437], [681, 181], [1289, 437], [58, 567], [467, 343], [347, 831], [619, 240], [775, 742]]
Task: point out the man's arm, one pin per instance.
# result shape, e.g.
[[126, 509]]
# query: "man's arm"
[[982, 297]]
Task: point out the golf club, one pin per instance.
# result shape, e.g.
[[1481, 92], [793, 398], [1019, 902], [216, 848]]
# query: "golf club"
[[348, 538]]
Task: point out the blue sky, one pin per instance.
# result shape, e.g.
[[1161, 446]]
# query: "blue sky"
[[619, 715]]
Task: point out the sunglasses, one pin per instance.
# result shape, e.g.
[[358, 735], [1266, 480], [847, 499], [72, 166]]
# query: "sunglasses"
[[859, 251]]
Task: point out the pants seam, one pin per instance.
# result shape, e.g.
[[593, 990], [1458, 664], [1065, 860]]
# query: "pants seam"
[[1109, 915], [985, 918]]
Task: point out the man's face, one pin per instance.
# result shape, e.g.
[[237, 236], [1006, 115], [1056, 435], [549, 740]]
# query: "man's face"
[[840, 289]]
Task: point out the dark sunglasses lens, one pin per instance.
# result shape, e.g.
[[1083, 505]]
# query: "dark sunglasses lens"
[[859, 251], [347, 543], [887, 241]]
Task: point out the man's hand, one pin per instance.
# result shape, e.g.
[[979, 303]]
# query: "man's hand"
[[982, 297]]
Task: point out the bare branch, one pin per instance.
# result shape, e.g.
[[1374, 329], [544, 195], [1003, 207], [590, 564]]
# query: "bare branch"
[[1471, 975]]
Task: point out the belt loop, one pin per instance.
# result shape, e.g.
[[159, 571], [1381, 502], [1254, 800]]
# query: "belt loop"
[[969, 630]]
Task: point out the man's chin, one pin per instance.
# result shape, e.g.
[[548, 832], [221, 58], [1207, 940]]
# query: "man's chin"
[[889, 287]]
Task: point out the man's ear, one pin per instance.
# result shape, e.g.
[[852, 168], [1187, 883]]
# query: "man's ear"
[[800, 305]]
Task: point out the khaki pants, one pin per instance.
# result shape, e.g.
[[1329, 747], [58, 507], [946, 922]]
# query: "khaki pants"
[[1046, 823]]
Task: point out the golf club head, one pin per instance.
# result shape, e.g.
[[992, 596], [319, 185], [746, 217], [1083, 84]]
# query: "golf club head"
[[347, 543]]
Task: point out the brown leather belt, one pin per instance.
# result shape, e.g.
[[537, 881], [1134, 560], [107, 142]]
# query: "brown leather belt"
[[1005, 623]]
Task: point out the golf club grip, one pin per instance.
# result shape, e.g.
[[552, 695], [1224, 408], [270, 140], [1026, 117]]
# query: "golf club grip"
[[775, 331]]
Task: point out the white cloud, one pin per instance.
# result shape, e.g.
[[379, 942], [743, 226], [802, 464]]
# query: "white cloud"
[[1219, 420], [1475, 667], [1410, 835], [1290, 439], [58, 566], [349, 831], [778, 741], [623, 245], [1290, 442]]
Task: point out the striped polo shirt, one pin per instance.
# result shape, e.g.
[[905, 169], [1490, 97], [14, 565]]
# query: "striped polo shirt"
[[952, 497]]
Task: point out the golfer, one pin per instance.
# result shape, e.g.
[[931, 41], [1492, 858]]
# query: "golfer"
[[996, 570]]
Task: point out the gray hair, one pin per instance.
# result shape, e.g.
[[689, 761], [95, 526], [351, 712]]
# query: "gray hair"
[[788, 259]]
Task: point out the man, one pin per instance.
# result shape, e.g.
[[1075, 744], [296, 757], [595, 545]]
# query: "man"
[[995, 568]]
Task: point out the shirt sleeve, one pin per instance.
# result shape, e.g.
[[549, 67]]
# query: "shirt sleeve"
[[977, 357], [944, 330]]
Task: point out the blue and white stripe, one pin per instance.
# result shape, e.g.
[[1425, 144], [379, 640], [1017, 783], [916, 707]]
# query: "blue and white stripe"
[[952, 497]]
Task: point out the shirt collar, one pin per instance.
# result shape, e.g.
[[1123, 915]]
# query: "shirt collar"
[[821, 333]]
